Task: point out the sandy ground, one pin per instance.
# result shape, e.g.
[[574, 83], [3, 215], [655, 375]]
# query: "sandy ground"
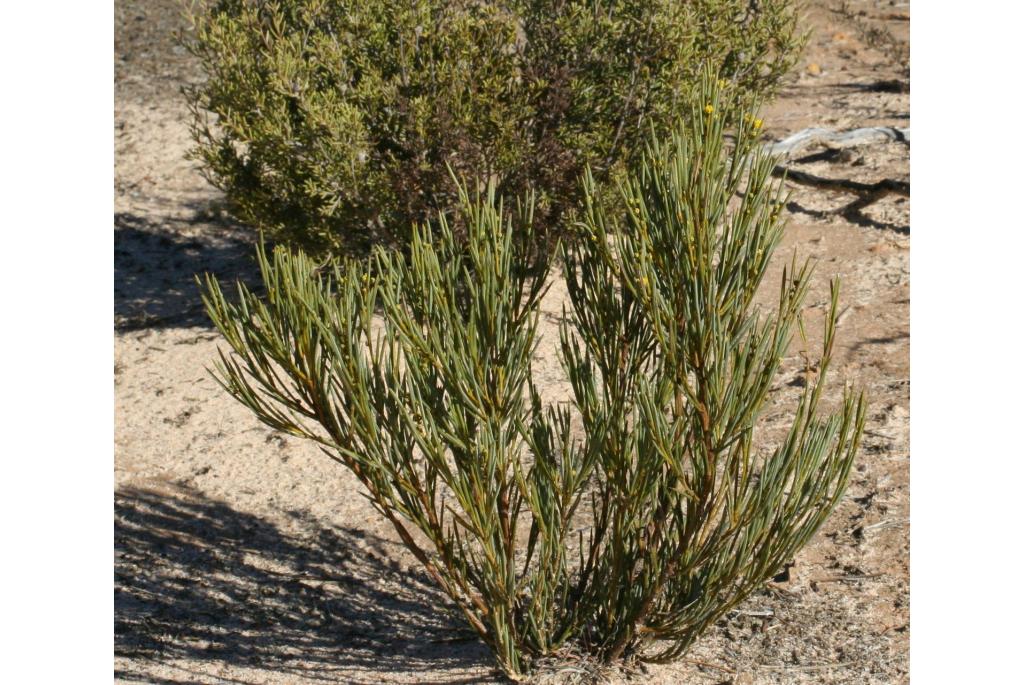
[[242, 556]]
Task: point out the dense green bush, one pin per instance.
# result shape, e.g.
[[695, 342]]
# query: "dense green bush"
[[627, 523], [329, 123]]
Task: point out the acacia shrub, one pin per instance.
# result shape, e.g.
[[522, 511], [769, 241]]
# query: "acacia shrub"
[[622, 524]]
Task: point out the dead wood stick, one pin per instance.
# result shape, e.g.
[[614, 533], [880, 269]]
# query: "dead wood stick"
[[867, 193], [808, 667], [853, 577], [801, 140]]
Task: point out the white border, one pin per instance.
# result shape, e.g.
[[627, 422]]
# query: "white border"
[[967, 461], [57, 334]]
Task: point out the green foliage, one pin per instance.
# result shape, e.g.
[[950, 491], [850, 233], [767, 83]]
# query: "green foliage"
[[329, 123], [621, 525]]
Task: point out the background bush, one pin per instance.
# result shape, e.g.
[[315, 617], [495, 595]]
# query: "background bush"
[[621, 525], [329, 123]]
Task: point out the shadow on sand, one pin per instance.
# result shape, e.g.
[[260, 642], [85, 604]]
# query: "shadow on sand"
[[205, 586], [155, 268]]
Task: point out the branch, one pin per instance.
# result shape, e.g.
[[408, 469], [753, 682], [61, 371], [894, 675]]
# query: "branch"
[[867, 193], [801, 140]]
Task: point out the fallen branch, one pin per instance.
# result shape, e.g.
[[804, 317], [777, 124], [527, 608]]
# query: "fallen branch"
[[801, 140], [867, 193], [852, 578], [812, 667]]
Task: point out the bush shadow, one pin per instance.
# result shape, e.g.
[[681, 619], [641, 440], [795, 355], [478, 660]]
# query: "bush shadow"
[[198, 583], [852, 214], [155, 265]]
